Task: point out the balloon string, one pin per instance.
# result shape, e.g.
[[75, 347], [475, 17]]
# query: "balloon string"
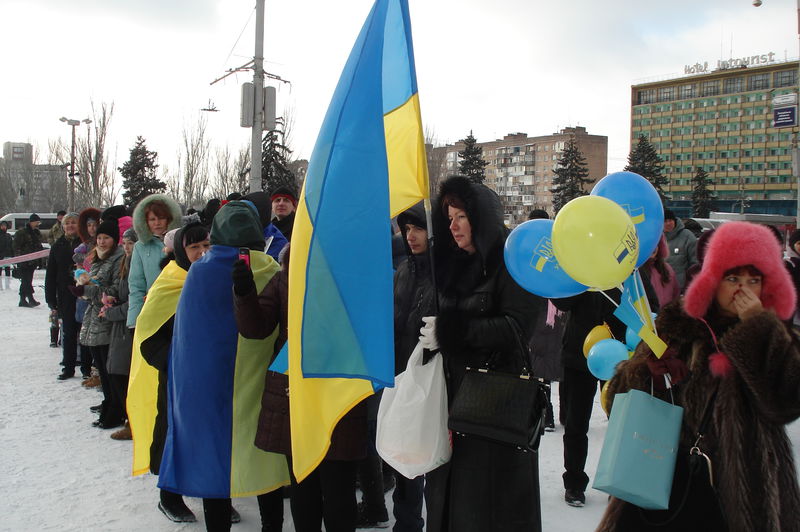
[[609, 298]]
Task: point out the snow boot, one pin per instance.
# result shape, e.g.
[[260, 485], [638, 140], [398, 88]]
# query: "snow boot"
[[172, 505], [123, 434]]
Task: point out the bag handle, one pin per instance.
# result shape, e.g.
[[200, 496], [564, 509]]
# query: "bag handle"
[[522, 346]]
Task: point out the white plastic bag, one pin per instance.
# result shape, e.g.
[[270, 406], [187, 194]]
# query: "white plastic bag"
[[412, 418]]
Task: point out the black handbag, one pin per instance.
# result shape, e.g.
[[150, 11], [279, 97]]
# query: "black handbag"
[[693, 502], [501, 407]]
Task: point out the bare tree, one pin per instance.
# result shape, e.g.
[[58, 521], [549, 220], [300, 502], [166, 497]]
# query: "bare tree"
[[230, 173], [437, 159], [193, 158], [95, 184], [287, 128]]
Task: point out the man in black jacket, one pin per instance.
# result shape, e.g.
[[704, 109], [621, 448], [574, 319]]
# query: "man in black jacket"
[[28, 240], [58, 278], [413, 298], [284, 205], [578, 387]]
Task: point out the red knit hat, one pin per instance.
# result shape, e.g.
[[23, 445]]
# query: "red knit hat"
[[735, 244]]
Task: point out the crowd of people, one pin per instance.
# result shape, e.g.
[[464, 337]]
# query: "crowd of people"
[[203, 298]]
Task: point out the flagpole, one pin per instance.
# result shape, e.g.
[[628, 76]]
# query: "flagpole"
[[429, 221]]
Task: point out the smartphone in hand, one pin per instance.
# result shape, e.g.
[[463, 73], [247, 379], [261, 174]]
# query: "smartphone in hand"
[[244, 254]]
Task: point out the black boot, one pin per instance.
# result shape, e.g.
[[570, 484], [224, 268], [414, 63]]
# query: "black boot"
[[23, 302], [32, 302], [218, 514], [172, 505]]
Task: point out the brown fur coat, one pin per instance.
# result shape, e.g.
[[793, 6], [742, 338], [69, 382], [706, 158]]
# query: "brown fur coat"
[[753, 467]]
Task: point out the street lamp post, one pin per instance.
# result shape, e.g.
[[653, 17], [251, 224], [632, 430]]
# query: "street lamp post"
[[72, 123]]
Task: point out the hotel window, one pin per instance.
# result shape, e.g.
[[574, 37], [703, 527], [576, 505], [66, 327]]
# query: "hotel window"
[[646, 96], [758, 82], [17, 153], [733, 85], [709, 88], [784, 78], [686, 91], [666, 94]]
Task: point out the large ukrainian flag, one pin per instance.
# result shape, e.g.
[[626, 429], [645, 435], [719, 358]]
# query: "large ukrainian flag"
[[368, 165]]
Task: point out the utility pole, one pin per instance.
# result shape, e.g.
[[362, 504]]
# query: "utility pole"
[[253, 113], [258, 98]]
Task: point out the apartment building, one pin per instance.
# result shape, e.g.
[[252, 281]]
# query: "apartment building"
[[521, 168]]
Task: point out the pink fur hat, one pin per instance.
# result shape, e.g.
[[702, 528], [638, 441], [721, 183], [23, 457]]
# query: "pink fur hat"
[[736, 244]]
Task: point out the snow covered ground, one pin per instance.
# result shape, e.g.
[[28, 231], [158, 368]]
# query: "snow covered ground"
[[60, 473]]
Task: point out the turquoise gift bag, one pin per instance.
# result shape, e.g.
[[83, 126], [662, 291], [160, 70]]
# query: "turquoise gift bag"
[[637, 461]]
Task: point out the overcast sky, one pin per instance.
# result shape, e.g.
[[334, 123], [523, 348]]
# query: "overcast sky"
[[491, 67]]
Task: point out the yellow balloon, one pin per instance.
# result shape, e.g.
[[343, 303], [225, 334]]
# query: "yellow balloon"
[[600, 332], [604, 398], [595, 241]]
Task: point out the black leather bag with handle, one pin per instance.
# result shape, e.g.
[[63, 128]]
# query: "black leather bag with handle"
[[501, 407]]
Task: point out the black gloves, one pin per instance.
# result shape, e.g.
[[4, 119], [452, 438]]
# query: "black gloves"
[[242, 277]]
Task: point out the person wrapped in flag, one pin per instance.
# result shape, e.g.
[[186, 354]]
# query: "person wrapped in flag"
[[328, 494], [147, 386], [215, 379]]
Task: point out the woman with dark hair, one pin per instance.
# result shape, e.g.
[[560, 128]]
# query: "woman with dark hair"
[[96, 330], [735, 368], [491, 486]]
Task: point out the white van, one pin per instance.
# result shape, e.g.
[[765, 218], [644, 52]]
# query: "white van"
[[17, 220]]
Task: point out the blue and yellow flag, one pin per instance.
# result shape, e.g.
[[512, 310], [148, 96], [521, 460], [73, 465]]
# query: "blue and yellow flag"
[[634, 311], [368, 165]]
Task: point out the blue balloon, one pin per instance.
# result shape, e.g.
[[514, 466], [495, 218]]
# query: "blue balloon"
[[530, 261], [631, 339], [604, 357], [640, 199]]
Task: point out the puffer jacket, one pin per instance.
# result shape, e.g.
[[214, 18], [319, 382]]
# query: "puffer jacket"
[[147, 254], [96, 330], [682, 246]]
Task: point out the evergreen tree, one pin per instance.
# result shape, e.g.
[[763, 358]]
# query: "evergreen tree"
[[139, 174], [275, 170], [702, 197], [644, 160], [571, 175], [472, 164]]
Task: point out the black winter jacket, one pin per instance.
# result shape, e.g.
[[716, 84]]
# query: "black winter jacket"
[[6, 245], [28, 240], [60, 275], [477, 296]]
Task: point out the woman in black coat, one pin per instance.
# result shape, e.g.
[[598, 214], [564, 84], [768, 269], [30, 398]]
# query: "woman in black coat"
[[58, 278], [491, 486]]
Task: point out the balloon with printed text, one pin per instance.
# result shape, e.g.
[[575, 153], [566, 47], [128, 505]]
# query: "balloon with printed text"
[[641, 201], [595, 241], [530, 260]]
